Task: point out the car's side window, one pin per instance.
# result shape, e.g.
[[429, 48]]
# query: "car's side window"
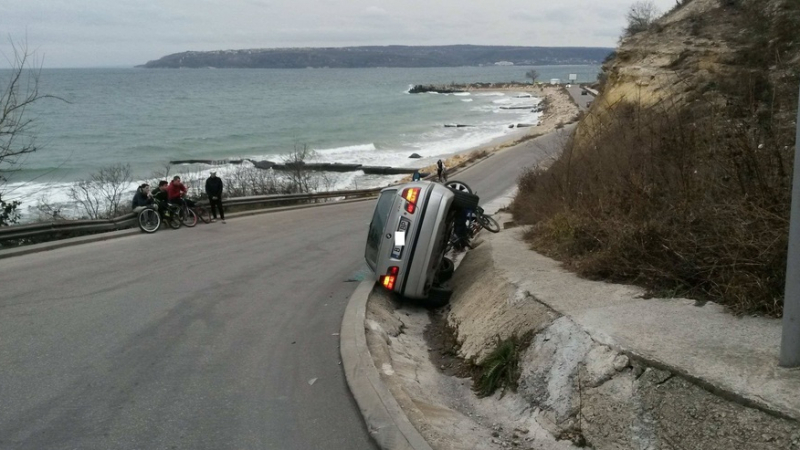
[[382, 210]]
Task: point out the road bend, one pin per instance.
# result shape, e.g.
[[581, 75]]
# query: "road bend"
[[223, 336]]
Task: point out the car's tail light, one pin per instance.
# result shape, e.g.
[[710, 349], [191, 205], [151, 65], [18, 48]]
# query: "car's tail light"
[[390, 278], [411, 195]]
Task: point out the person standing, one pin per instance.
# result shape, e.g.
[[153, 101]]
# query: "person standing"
[[441, 171], [214, 191]]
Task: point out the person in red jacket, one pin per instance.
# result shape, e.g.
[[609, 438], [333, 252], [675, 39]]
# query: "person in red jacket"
[[175, 190]]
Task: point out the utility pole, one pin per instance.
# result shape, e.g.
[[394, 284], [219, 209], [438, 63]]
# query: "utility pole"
[[790, 339]]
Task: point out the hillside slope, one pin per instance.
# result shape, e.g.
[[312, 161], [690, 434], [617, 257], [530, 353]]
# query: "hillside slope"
[[386, 56], [679, 177]]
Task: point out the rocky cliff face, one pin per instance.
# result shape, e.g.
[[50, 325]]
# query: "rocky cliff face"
[[707, 47]]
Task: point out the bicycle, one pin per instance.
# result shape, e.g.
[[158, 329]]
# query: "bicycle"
[[485, 221], [202, 212], [150, 217], [474, 221], [186, 213]]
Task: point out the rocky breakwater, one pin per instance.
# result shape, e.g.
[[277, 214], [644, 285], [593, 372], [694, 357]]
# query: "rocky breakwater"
[[457, 88]]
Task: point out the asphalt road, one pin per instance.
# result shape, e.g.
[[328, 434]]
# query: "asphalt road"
[[216, 337], [499, 173], [204, 338], [582, 100]]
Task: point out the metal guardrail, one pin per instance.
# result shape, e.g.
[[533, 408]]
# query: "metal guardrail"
[[129, 220]]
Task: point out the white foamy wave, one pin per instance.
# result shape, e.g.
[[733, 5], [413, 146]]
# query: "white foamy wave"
[[462, 94], [349, 148], [490, 94], [466, 100]]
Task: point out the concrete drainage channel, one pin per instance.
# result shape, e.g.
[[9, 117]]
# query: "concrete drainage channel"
[[578, 387]]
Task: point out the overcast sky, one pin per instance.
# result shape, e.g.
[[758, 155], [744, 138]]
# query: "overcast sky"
[[110, 33]]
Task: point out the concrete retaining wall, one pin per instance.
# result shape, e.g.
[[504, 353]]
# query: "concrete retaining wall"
[[588, 391]]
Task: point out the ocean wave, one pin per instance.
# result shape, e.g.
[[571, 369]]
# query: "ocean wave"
[[462, 94], [466, 100], [348, 148]]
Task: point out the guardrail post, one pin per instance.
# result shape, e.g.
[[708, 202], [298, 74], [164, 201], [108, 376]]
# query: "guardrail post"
[[790, 339]]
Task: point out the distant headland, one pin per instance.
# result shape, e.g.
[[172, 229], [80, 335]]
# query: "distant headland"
[[382, 56]]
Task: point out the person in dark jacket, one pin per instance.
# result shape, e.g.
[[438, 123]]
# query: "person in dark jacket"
[[142, 196], [441, 171], [214, 191], [161, 196]]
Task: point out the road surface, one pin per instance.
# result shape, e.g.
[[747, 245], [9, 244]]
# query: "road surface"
[[216, 337]]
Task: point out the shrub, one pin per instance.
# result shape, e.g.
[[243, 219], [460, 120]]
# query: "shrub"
[[640, 17], [684, 200], [100, 195]]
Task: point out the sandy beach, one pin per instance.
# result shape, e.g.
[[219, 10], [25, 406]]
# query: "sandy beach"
[[558, 109]]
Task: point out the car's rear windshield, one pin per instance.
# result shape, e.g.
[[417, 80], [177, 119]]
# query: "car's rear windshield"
[[382, 210]]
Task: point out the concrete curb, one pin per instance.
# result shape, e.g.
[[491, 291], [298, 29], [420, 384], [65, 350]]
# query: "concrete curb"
[[45, 246], [386, 421]]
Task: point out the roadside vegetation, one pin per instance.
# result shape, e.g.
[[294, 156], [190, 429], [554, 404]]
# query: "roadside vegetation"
[[687, 195], [20, 90], [501, 368]]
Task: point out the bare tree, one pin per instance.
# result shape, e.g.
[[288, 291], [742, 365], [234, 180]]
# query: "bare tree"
[[21, 90], [301, 180], [532, 74], [640, 16], [100, 196]]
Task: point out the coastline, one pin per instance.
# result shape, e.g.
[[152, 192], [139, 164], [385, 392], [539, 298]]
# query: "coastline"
[[558, 110]]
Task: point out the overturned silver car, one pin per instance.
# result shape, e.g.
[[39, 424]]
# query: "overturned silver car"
[[408, 237]]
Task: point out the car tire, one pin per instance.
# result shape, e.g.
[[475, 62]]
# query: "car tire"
[[465, 200], [458, 186], [446, 270], [438, 297]]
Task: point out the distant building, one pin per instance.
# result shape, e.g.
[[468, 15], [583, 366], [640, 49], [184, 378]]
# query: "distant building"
[[504, 63]]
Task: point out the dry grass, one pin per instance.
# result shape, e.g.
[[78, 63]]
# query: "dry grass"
[[687, 195], [684, 201]]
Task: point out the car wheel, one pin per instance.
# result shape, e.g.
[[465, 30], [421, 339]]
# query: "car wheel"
[[446, 270], [465, 200], [438, 297], [458, 186]]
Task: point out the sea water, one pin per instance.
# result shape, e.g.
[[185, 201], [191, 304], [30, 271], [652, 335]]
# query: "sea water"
[[146, 118]]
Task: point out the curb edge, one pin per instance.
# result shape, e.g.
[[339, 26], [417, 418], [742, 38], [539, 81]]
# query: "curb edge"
[[386, 422]]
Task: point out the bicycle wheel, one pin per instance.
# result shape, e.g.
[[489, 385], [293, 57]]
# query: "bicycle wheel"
[[188, 217], [203, 214], [149, 220], [173, 217], [489, 223]]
